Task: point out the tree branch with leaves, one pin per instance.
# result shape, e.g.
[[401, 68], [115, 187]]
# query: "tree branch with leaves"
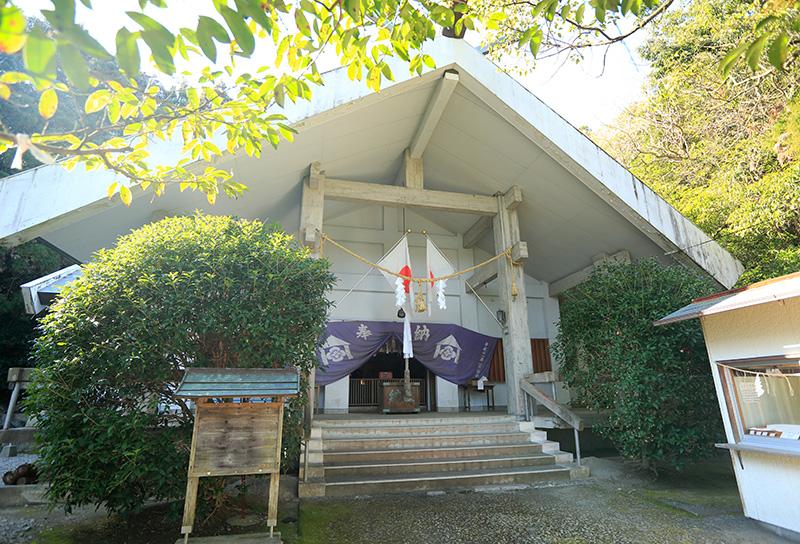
[[227, 108]]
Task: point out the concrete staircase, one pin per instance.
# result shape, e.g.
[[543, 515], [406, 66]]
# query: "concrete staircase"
[[395, 454]]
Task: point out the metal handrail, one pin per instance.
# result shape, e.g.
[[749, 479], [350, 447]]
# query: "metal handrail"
[[534, 395]]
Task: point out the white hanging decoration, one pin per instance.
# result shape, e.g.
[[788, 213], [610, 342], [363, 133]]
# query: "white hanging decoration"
[[399, 292], [438, 267], [759, 386], [440, 298], [408, 343]]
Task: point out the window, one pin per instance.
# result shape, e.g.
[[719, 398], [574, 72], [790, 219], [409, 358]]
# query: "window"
[[765, 397]]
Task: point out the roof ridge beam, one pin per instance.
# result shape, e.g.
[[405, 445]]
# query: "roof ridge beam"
[[433, 113]]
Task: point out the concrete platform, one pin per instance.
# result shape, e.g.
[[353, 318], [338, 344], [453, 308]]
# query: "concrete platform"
[[254, 538], [22, 495]]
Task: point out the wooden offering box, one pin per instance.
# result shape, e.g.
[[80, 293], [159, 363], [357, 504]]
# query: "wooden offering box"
[[237, 428], [395, 401]]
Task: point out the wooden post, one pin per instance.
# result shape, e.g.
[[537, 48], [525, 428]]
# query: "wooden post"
[[189, 506], [12, 404], [275, 477], [312, 207], [516, 336], [190, 502], [311, 214], [412, 171]]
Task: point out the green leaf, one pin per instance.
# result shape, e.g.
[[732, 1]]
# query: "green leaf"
[[536, 41], [161, 53], [729, 61], [39, 52], [74, 65], [387, 72], [301, 22], [48, 104], [255, 10], [128, 52], [755, 51], [579, 14], [80, 38], [237, 26], [217, 30], [150, 24], [97, 101], [778, 51], [374, 78], [159, 39], [125, 195], [12, 30]]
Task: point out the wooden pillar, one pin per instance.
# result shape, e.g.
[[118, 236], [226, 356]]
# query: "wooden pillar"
[[311, 216], [190, 502], [412, 171], [516, 336]]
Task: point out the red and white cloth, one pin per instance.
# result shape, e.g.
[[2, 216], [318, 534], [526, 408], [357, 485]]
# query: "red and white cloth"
[[398, 261]]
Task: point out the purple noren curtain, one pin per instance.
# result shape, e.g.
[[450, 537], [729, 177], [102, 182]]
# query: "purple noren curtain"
[[453, 353]]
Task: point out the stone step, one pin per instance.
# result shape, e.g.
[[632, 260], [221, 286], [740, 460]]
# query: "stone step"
[[334, 458], [418, 430], [377, 469], [433, 441], [412, 419], [444, 480]]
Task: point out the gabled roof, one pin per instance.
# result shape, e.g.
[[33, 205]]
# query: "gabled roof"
[[771, 290], [493, 133], [239, 382]]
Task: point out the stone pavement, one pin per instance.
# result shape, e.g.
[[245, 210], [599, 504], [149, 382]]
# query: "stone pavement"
[[583, 512]]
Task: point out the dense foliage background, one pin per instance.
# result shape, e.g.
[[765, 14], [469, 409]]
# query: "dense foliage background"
[[18, 265], [653, 383], [202, 291], [725, 152]]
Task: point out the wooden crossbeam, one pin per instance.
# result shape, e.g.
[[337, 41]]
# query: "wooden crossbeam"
[[476, 232], [392, 195]]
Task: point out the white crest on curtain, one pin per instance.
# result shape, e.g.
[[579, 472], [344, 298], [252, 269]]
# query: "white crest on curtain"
[[398, 261], [438, 266]]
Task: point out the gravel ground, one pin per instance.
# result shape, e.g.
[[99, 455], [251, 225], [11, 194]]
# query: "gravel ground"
[[589, 511], [614, 507], [22, 524], [10, 463]]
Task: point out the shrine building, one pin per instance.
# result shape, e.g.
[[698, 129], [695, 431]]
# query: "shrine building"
[[463, 155]]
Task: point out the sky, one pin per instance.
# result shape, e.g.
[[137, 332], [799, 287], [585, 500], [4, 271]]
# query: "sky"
[[591, 93]]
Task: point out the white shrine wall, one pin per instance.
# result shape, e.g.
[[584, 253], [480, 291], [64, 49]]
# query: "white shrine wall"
[[371, 231]]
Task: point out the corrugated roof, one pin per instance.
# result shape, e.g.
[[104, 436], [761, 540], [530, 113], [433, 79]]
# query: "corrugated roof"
[[771, 290], [239, 382]]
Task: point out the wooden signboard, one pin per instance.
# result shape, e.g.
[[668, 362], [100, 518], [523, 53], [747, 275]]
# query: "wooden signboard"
[[237, 428]]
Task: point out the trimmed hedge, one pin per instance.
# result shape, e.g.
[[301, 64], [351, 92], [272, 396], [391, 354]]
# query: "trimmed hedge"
[[654, 383], [202, 291]]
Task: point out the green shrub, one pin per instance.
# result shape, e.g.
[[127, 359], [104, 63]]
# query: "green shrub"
[[201, 291], [653, 383]]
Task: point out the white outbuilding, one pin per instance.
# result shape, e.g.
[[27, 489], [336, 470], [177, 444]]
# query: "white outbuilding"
[[753, 339]]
